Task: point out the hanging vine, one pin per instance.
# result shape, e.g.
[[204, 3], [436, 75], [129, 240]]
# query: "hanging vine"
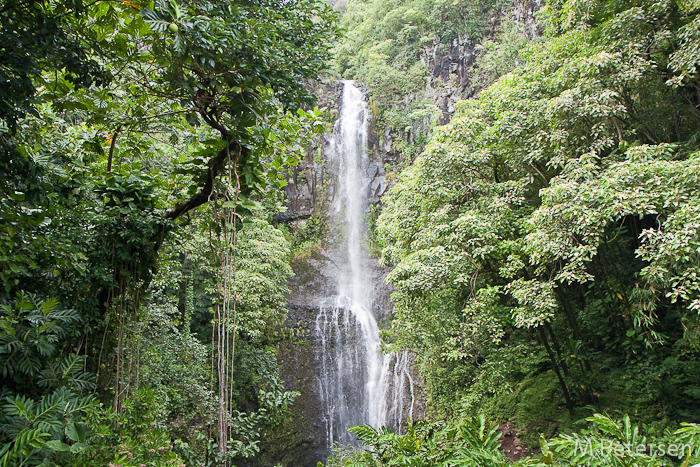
[[226, 320], [130, 220]]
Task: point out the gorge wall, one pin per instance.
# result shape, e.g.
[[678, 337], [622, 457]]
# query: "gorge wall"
[[451, 71], [313, 187], [318, 188], [453, 66]]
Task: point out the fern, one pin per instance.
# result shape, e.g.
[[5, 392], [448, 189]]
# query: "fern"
[[431, 444], [36, 429], [68, 371], [597, 448], [481, 445], [689, 434], [479, 436], [48, 306], [24, 447], [30, 332], [365, 433]]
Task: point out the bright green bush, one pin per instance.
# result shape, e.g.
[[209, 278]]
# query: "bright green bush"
[[552, 225], [475, 443]]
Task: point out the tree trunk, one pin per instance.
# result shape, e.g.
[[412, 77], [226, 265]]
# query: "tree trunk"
[[555, 366]]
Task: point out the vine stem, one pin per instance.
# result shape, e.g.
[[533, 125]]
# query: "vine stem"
[[226, 316]]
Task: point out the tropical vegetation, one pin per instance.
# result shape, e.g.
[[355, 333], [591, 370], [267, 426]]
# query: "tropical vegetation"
[[543, 244], [143, 144]]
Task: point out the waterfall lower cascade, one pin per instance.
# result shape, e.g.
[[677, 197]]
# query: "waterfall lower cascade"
[[358, 384]]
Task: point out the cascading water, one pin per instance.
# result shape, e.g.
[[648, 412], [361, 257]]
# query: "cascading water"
[[398, 388], [357, 383]]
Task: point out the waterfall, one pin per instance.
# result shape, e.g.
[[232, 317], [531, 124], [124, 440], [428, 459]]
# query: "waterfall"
[[357, 383]]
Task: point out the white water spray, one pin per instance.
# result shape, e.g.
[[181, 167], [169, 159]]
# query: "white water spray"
[[357, 383]]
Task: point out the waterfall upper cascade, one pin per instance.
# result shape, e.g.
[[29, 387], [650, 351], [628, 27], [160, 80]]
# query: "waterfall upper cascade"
[[358, 384]]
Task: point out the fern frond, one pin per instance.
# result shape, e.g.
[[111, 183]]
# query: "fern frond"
[[689, 434], [24, 445], [79, 405], [48, 305], [480, 437], [365, 433]]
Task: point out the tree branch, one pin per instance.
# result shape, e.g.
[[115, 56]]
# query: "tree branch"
[[690, 13], [111, 148], [214, 169]]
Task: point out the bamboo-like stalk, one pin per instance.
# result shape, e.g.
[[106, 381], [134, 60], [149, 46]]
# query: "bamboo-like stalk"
[[226, 316], [120, 350]]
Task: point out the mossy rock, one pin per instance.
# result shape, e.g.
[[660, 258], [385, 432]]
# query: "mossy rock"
[[535, 407]]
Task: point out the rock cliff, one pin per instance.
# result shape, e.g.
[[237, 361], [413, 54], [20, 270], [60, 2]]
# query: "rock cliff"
[[311, 191]]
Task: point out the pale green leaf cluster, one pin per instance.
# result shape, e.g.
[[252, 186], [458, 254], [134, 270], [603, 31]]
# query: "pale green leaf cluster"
[[560, 206]]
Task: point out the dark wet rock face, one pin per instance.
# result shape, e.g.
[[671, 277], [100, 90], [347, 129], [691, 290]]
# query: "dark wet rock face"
[[338, 297], [313, 191], [452, 65], [313, 186]]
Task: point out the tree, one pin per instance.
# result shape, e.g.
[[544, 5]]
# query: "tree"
[[557, 210], [119, 120]]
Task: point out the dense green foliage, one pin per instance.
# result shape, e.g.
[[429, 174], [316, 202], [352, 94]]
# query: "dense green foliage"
[[384, 49], [388, 35], [606, 443], [382, 46], [132, 134], [544, 247]]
